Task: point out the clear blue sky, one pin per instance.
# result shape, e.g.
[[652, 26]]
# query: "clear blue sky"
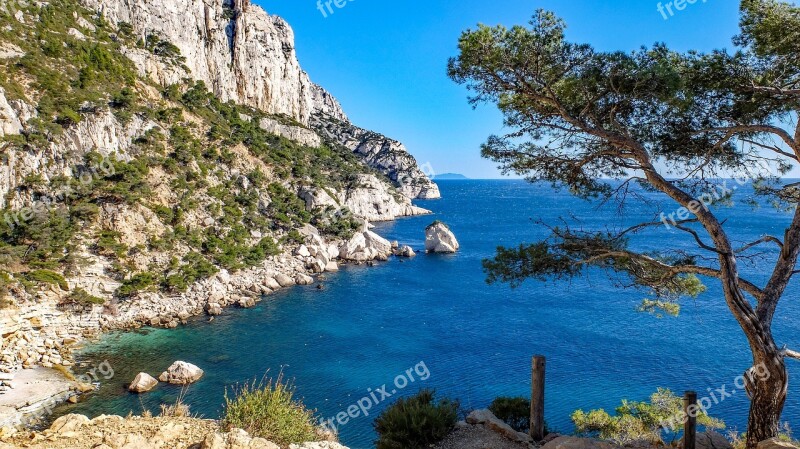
[[386, 60]]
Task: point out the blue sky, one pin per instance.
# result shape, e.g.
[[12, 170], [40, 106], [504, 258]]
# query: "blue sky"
[[386, 60]]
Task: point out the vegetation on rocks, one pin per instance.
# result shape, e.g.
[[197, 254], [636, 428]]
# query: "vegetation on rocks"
[[268, 409], [416, 422], [184, 168]]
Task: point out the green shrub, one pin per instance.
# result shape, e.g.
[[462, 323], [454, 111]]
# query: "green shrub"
[[135, 284], [416, 422], [81, 297], [639, 421], [108, 244], [48, 277], [5, 300], [268, 409], [516, 412], [124, 98], [194, 268]]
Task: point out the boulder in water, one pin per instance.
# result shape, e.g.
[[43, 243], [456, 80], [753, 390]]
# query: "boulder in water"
[[440, 239], [181, 373], [142, 383]]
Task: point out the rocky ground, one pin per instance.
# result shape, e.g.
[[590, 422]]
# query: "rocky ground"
[[478, 437], [115, 432]]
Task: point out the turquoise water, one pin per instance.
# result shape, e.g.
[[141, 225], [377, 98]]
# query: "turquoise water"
[[370, 325]]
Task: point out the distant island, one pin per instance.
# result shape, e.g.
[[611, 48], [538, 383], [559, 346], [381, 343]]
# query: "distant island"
[[449, 176]]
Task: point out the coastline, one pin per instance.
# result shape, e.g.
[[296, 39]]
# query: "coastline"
[[54, 334]]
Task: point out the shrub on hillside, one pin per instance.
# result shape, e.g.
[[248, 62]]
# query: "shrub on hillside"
[[416, 422], [48, 277], [268, 409], [81, 297]]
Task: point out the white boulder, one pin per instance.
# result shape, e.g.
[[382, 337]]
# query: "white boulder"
[[405, 251], [378, 243], [284, 280], [776, 443], [365, 246], [181, 373], [493, 423], [440, 239], [304, 279], [142, 383]]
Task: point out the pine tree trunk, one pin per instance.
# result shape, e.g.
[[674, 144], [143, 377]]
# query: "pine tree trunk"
[[767, 384]]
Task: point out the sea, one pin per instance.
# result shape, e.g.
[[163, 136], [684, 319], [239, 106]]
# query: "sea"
[[372, 334]]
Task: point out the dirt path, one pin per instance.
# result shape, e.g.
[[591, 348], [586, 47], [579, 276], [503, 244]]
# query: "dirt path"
[[478, 437]]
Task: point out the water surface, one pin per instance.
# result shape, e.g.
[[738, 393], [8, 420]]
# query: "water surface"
[[370, 325]]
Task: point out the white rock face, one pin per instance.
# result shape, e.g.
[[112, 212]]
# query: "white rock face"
[[245, 55], [365, 246], [440, 239], [296, 133], [241, 52], [405, 251], [100, 132], [181, 373], [9, 120], [8, 50], [382, 153], [142, 383], [372, 200]]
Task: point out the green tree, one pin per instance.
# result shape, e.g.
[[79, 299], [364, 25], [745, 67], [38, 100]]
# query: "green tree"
[[646, 117]]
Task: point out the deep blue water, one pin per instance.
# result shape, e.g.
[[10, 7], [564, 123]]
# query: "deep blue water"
[[370, 325]]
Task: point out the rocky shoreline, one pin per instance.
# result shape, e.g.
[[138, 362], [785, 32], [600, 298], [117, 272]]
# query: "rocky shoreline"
[[45, 335]]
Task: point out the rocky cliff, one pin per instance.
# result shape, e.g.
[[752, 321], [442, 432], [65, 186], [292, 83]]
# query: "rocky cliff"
[[247, 56], [167, 159], [242, 53]]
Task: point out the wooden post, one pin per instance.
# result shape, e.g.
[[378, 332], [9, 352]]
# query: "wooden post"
[[690, 425], [537, 398]]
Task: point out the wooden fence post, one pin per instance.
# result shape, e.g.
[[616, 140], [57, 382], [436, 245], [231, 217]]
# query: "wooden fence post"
[[690, 425], [537, 398]]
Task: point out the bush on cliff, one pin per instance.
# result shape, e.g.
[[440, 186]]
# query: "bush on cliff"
[[268, 409], [416, 422], [639, 421]]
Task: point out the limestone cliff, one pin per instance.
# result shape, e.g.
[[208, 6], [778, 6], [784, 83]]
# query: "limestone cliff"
[[246, 55], [167, 159]]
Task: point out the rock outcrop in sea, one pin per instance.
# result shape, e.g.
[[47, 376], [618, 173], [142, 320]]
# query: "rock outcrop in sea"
[[142, 383], [181, 373], [440, 239]]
